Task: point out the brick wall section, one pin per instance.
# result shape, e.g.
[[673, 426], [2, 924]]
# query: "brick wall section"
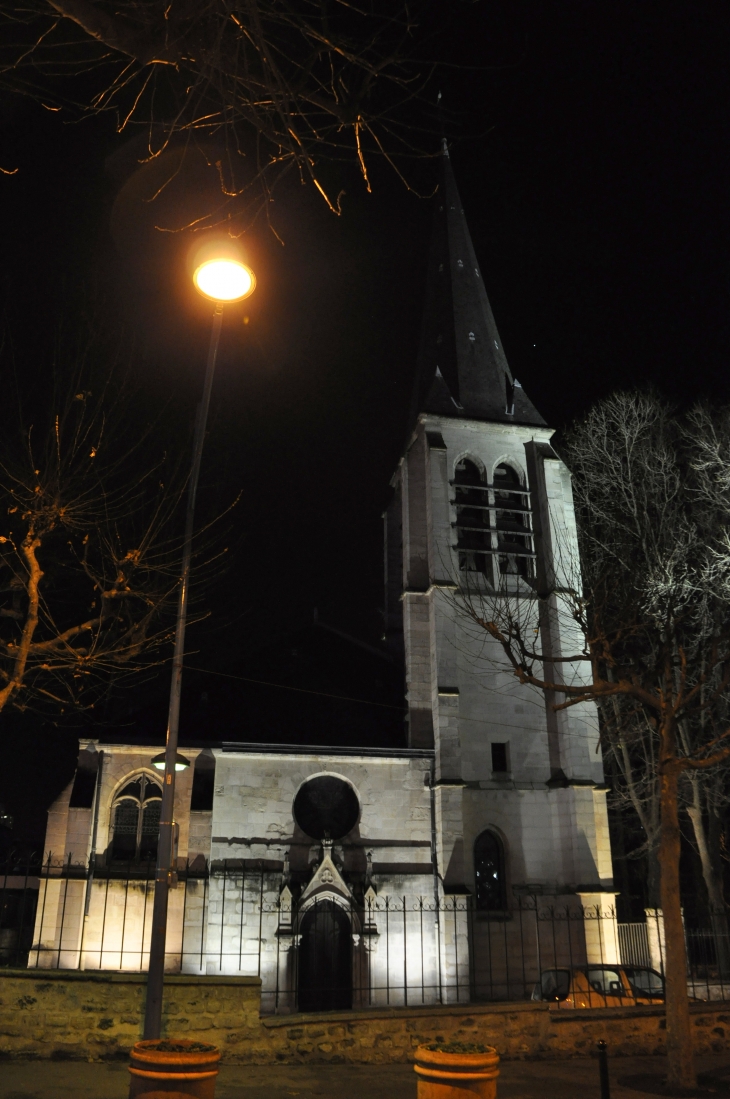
[[80, 1016]]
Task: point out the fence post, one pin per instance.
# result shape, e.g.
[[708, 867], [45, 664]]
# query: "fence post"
[[405, 957], [603, 1070], [439, 948], [204, 913], [43, 908], [261, 918], [84, 914], [144, 919], [655, 935], [601, 935], [21, 922], [223, 913], [103, 918]]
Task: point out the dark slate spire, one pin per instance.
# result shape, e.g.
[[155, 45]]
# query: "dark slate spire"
[[463, 370]]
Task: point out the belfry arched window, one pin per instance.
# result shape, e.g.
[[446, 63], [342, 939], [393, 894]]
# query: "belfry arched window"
[[493, 522], [136, 820], [513, 524], [491, 891], [471, 497]]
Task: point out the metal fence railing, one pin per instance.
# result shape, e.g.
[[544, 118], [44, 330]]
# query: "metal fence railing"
[[19, 886], [324, 950], [633, 942]]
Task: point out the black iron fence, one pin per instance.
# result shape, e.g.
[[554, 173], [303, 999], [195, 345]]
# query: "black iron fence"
[[19, 886], [325, 950]]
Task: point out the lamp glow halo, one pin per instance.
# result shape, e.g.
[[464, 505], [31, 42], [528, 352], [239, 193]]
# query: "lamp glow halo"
[[224, 280]]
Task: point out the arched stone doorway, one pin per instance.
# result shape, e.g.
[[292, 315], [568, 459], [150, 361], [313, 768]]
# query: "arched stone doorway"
[[324, 971]]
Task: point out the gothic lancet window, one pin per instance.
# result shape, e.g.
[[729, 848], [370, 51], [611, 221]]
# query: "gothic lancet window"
[[471, 498], [513, 525], [136, 820], [491, 892]]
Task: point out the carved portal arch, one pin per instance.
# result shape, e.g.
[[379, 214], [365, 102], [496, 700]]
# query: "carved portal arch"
[[328, 957]]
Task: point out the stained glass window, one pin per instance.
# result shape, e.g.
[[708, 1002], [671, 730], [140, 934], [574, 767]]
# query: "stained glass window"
[[136, 820]]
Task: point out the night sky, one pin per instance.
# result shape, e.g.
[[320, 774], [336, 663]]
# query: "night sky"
[[590, 145]]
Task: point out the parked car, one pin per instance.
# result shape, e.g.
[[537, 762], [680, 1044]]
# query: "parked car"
[[600, 986]]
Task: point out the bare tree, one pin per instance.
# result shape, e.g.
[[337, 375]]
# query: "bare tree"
[[649, 620], [306, 80], [89, 547], [631, 753], [630, 750], [705, 800]]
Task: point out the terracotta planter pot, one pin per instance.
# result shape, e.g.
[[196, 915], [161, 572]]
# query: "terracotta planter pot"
[[185, 1073], [456, 1075]]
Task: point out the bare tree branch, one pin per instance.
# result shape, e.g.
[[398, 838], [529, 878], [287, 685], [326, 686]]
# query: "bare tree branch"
[[279, 85], [90, 543]]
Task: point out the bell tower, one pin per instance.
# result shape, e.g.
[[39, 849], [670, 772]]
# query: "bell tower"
[[482, 504]]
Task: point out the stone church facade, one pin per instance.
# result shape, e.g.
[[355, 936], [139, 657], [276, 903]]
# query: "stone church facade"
[[379, 875]]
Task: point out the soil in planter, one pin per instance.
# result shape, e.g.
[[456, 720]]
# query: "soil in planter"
[[458, 1047], [165, 1046]]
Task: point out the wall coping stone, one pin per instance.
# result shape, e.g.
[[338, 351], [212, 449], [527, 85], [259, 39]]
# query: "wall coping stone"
[[496, 1008], [424, 1010], [123, 978], [592, 1013]]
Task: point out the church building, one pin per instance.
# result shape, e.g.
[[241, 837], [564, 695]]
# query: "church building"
[[349, 877]]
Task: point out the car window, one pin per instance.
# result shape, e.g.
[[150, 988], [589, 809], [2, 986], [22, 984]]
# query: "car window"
[[604, 980], [555, 984], [644, 982]]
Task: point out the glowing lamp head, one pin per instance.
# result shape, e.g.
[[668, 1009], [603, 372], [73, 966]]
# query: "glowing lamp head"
[[224, 280], [158, 762]]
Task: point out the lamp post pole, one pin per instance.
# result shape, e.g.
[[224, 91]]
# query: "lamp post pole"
[[166, 847], [221, 277]]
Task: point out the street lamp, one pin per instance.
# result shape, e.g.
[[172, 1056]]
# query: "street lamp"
[[224, 280], [222, 276], [160, 761]]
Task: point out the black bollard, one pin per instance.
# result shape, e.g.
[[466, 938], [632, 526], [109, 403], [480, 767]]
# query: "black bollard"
[[603, 1070]]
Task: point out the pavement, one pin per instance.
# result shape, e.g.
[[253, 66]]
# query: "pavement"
[[518, 1080]]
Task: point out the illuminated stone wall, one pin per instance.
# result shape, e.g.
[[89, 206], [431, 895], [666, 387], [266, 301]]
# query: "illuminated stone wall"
[[109, 927], [549, 807], [253, 820], [255, 791], [232, 921]]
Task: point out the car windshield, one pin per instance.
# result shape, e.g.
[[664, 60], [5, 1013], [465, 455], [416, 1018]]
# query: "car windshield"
[[555, 984], [645, 982], [604, 980]]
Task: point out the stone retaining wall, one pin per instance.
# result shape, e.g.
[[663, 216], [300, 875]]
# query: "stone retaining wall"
[[94, 1016]]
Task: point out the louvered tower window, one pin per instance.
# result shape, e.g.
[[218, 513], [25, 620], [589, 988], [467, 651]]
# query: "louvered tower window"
[[493, 523], [513, 523], [136, 821], [472, 518]]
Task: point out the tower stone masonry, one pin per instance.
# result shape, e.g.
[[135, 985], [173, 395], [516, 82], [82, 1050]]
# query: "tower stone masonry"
[[482, 515]]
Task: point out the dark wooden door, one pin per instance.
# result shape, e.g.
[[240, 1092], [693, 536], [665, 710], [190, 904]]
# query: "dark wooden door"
[[325, 959]]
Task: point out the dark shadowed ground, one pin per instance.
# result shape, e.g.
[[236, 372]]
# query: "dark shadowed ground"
[[519, 1079]]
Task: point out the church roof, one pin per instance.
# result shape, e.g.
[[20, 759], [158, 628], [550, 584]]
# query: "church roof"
[[462, 368]]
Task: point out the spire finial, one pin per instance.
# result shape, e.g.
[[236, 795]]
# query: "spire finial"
[[440, 109]]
